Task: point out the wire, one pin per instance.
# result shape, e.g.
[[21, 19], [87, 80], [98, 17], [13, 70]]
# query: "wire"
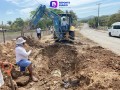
[[37, 1]]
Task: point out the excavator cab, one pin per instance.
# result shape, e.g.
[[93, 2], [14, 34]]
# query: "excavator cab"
[[65, 19], [64, 26]]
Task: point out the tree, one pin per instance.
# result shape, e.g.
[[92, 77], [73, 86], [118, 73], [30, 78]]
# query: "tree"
[[93, 22], [10, 24], [103, 21], [57, 11], [74, 17], [114, 18], [46, 21], [18, 24]]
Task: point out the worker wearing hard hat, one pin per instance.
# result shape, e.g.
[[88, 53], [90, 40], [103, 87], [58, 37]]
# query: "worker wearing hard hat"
[[72, 32], [22, 57]]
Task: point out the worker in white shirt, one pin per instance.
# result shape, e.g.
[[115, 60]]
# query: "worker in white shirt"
[[38, 31], [22, 57], [64, 24], [1, 76]]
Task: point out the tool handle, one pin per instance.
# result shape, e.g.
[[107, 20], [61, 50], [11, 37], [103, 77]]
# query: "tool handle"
[[13, 88]]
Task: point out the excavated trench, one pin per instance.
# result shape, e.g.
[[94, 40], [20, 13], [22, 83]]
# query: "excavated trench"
[[65, 60], [65, 66], [62, 57]]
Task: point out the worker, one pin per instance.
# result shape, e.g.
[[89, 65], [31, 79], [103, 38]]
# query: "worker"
[[22, 58], [72, 32], [64, 24], [38, 31], [1, 76]]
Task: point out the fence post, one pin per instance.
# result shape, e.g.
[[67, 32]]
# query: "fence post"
[[3, 33]]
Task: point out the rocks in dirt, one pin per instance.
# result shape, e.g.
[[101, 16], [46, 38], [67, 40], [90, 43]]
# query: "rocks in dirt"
[[21, 88], [22, 81], [56, 73], [33, 43], [4, 52], [76, 81], [32, 83], [4, 88], [78, 43], [28, 89], [84, 80], [33, 88], [115, 84], [15, 74], [97, 86], [8, 84]]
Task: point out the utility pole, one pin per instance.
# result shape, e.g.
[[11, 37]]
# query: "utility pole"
[[3, 33], [98, 12]]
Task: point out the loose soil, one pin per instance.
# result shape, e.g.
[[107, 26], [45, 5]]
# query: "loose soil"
[[83, 65]]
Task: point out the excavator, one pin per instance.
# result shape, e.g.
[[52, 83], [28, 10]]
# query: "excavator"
[[59, 32]]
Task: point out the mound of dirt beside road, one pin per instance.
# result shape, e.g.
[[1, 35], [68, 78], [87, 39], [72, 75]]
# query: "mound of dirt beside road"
[[84, 66]]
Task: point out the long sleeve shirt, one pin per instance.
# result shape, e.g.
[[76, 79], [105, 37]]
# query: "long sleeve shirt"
[[21, 53]]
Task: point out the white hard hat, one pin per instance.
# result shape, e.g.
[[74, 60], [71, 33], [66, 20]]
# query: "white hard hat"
[[20, 40]]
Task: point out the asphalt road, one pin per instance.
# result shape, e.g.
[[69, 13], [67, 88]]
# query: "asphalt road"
[[102, 38]]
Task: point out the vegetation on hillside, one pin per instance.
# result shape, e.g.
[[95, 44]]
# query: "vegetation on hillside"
[[105, 20]]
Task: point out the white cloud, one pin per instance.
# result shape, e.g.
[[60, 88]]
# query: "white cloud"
[[81, 2], [26, 11], [14, 1], [83, 12], [111, 4], [95, 6], [9, 12], [26, 3]]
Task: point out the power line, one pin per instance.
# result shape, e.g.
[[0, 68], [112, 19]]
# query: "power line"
[[37, 1]]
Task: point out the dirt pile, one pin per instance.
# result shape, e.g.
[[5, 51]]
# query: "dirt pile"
[[32, 42], [7, 52], [65, 66]]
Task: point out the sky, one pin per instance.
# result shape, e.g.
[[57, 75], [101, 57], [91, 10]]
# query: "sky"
[[12, 9]]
